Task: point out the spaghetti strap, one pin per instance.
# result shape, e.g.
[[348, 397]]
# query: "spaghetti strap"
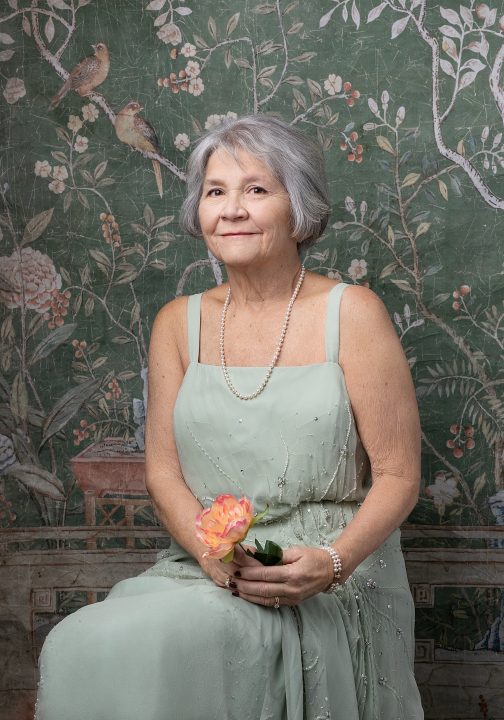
[[333, 322], [193, 326]]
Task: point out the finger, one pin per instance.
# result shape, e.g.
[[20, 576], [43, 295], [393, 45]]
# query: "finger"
[[243, 559], [264, 590], [265, 573], [269, 602]]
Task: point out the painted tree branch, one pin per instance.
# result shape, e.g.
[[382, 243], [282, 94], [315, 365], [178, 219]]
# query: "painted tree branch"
[[94, 96], [462, 162]]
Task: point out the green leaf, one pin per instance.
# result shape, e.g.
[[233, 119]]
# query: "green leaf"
[[67, 406], [19, 399], [51, 342], [232, 23], [36, 226], [384, 144], [37, 479]]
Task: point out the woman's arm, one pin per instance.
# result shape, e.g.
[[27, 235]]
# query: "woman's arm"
[[175, 504], [384, 406]]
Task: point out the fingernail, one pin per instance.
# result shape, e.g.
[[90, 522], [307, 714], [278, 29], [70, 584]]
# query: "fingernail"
[[237, 573], [235, 593], [233, 585]]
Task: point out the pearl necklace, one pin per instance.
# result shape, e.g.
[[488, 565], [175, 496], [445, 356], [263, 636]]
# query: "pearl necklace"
[[276, 354]]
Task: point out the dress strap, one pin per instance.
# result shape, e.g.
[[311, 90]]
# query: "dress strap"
[[193, 326], [332, 330]]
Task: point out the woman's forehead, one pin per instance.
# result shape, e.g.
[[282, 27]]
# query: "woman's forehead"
[[221, 160]]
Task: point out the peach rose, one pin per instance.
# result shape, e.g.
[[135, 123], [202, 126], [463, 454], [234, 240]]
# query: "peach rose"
[[224, 524]]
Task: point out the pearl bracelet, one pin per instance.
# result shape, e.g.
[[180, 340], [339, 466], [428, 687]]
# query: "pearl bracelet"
[[337, 568]]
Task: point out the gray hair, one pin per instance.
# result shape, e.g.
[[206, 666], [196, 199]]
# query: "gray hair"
[[295, 160]]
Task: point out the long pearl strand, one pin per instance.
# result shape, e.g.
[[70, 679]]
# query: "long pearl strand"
[[276, 354]]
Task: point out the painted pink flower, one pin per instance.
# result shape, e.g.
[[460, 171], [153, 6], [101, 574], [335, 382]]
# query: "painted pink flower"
[[224, 524], [32, 274]]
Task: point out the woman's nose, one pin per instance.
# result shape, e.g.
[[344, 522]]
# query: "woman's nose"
[[233, 206]]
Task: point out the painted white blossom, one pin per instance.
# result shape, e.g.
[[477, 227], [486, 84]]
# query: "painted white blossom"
[[42, 168], [81, 144], [57, 186], [443, 492], [196, 86], [192, 69], [60, 172], [181, 141], [170, 33], [74, 123], [90, 112], [357, 269], [188, 50], [333, 84], [333, 275], [14, 90], [230, 115], [213, 121]]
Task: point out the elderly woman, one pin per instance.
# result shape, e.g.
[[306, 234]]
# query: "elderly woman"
[[292, 390]]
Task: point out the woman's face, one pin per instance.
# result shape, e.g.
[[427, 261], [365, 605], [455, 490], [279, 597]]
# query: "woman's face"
[[244, 211]]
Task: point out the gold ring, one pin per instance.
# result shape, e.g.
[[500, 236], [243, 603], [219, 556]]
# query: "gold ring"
[[277, 602]]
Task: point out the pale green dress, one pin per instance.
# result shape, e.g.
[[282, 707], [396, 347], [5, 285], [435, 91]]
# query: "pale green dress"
[[170, 645]]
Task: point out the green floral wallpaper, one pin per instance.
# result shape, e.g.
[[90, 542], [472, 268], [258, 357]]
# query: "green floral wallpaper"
[[101, 102]]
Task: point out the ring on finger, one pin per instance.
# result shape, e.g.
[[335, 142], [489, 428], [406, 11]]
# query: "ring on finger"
[[228, 581], [277, 602]]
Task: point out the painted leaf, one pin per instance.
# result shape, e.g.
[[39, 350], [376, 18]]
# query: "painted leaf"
[[450, 48], [450, 15], [403, 285], [422, 229], [443, 189], [466, 79], [473, 64], [232, 23], [19, 399], [60, 5], [38, 480], [36, 226], [67, 406], [49, 30], [447, 68], [355, 15], [324, 20], [6, 55], [399, 26], [373, 106], [449, 31], [376, 12], [466, 15], [56, 338], [182, 10], [410, 179], [6, 39], [384, 144], [155, 5], [161, 19], [13, 4], [26, 26], [212, 28]]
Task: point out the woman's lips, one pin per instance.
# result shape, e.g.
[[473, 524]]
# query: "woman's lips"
[[237, 233]]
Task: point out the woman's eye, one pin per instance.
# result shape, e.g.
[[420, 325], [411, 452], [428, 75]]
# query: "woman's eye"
[[214, 192], [256, 190]]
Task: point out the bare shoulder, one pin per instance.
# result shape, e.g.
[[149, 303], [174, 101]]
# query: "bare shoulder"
[[362, 305], [169, 327], [365, 326]]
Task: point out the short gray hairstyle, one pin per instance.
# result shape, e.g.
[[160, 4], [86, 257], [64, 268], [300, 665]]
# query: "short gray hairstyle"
[[295, 160]]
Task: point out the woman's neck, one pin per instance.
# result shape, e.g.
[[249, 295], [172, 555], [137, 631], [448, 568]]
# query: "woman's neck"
[[270, 284]]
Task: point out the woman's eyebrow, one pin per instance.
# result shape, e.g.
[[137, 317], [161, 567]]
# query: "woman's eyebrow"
[[247, 179]]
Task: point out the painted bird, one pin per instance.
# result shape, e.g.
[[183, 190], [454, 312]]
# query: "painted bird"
[[138, 133], [90, 72]]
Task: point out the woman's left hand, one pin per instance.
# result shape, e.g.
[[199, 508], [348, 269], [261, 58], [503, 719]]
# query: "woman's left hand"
[[305, 571]]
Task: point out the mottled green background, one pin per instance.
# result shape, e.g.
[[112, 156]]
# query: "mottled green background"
[[415, 163]]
